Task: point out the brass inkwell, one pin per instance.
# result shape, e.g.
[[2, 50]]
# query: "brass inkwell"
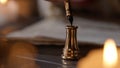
[[71, 49]]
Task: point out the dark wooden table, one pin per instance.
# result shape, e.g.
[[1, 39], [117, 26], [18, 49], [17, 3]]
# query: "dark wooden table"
[[19, 53]]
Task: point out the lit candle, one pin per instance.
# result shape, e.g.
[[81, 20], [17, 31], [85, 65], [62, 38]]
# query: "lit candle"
[[107, 57], [110, 55], [3, 1]]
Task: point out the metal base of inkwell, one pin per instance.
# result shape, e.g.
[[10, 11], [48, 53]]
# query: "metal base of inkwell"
[[71, 49]]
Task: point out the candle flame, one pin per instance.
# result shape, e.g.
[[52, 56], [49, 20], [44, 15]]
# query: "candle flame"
[[110, 55], [3, 1]]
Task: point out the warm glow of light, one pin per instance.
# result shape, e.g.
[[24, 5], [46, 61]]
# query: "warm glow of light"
[[3, 1], [110, 55]]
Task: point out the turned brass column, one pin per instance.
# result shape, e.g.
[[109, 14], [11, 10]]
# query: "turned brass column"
[[71, 49]]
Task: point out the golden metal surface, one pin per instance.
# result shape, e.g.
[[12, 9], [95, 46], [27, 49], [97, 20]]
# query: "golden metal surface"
[[71, 49]]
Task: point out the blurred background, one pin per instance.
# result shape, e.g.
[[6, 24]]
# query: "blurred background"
[[27, 26], [44, 20], [33, 32]]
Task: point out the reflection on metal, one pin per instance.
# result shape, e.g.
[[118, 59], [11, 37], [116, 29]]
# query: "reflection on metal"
[[71, 49], [68, 64]]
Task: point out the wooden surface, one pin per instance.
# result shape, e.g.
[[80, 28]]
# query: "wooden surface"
[[25, 54]]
